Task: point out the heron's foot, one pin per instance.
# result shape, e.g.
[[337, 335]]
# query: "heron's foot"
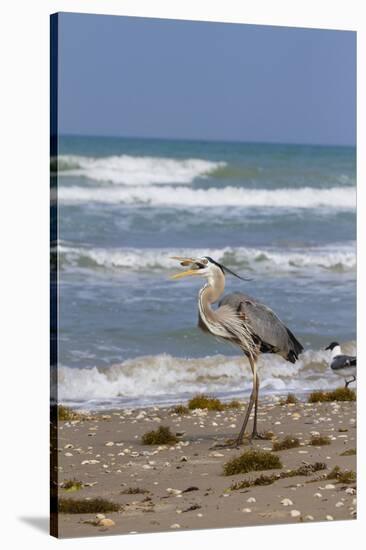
[[229, 444], [261, 436]]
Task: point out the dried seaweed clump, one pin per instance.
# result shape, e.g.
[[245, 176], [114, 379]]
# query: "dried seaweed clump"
[[319, 440], [345, 476], [233, 404], [263, 479], [134, 491], [348, 452], [252, 461], [71, 485], [340, 394], [92, 506], [289, 442], [161, 436], [202, 401], [67, 414], [291, 399]]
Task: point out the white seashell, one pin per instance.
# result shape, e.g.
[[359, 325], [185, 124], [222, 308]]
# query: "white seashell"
[[173, 491]]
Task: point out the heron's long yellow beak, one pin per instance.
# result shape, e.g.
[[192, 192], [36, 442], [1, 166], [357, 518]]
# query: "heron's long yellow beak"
[[184, 262], [185, 274]]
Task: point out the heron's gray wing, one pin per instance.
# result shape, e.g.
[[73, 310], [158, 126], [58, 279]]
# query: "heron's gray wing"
[[269, 331], [343, 361]]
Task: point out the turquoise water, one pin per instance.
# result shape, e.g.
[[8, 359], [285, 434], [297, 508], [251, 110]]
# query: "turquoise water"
[[284, 215]]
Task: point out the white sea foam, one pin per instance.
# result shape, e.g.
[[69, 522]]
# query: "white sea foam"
[[130, 170], [156, 376], [305, 197], [339, 258]]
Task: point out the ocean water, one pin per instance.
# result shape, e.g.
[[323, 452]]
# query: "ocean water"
[[283, 215]]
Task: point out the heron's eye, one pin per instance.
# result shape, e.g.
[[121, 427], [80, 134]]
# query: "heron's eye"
[[204, 261]]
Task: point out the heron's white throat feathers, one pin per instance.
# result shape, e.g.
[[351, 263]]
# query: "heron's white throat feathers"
[[223, 322], [215, 284]]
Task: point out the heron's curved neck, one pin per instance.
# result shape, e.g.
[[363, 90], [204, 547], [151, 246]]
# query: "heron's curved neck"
[[211, 292]]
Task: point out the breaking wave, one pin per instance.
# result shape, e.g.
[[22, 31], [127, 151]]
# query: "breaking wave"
[[336, 258], [306, 197], [159, 378], [130, 170]]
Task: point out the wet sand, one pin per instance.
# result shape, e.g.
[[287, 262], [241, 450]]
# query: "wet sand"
[[184, 483]]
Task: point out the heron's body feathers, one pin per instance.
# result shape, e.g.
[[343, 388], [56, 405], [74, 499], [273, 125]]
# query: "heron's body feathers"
[[267, 331]]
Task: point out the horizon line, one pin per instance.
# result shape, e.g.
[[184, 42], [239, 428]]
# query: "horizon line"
[[209, 140]]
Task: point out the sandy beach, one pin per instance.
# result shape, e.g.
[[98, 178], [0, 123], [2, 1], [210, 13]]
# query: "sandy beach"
[[183, 486]]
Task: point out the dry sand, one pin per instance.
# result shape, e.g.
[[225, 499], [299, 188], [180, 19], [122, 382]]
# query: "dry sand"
[[107, 453]]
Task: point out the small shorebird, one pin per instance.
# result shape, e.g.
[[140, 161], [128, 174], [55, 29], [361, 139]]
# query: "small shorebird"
[[241, 320], [343, 365]]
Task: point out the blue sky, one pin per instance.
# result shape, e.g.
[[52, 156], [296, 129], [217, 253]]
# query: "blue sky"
[[142, 77]]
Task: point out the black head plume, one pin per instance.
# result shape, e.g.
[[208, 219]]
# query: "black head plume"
[[225, 269], [332, 345]]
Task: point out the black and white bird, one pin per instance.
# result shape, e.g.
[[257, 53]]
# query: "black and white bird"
[[343, 365]]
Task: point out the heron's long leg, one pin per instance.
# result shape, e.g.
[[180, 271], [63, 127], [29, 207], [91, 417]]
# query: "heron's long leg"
[[255, 433], [253, 398]]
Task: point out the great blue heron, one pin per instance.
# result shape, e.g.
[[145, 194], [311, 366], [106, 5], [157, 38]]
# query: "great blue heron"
[[241, 320], [343, 365]]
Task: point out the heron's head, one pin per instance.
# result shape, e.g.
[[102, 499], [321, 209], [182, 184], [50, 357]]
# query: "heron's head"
[[332, 346], [203, 267]]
